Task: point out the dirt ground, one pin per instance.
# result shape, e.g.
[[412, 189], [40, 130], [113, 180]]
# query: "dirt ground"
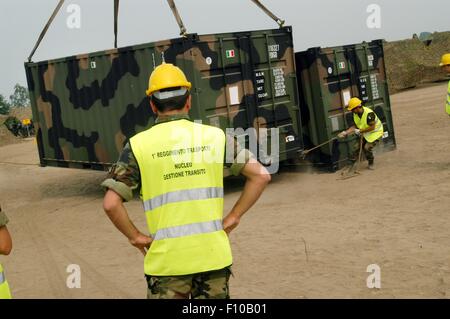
[[309, 236]]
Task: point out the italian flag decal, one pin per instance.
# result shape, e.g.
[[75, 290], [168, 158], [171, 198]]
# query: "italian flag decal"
[[230, 54]]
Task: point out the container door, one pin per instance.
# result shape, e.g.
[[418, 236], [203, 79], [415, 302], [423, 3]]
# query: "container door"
[[247, 82]]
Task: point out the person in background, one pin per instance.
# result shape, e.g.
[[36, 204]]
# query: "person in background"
[[367, 124], [445, 65]]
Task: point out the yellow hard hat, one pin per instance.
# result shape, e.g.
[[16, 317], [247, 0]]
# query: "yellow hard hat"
[[166, 76], [354, 102], [445, 60]]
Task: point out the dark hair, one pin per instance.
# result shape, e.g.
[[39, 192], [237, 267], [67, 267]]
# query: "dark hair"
[[170, 104]]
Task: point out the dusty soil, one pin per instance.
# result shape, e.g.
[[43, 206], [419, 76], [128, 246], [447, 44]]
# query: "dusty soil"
[[411, 62], [310, 235]]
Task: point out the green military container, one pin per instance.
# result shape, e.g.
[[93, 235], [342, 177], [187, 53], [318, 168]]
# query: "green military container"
[[86, 107], [328, 78]]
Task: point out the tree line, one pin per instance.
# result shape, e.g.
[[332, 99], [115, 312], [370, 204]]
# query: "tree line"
[[20, 98]]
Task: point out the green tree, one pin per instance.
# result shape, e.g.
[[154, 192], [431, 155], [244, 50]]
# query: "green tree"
[[4, 105], [20, 97]]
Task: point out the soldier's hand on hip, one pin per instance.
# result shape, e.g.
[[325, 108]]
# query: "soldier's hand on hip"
[[230, 222], [141, 242]]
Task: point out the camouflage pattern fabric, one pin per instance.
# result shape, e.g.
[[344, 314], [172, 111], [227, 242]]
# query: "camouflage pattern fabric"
[[207, 285], [124, 177], [367, 150]]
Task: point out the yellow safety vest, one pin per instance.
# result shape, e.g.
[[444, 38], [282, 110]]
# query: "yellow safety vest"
[[4, 287], [181, 167], [447, 105], [361, 123]]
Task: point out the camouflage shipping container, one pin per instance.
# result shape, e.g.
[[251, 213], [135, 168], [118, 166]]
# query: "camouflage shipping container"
[[328, 78], [85, 107]]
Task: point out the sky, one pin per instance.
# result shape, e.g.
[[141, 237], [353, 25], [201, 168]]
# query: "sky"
[[315, 23]]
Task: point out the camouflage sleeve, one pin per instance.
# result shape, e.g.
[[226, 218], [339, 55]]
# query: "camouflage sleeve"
[[124, 176], [3, 218], [370, 118], [236, 156]]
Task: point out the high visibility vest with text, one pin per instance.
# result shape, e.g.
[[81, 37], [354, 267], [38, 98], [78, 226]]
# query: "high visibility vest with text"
[[4, 287], [361, 123], [447, 105], [181, 167]]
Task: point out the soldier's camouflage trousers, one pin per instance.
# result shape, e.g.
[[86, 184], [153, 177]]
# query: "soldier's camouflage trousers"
[[206, 285], [367, 150]]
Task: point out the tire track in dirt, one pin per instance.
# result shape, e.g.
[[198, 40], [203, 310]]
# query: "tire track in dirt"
[[100, 281], [47, 262]]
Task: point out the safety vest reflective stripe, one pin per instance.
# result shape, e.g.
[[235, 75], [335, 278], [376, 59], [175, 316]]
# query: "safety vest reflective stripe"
[[188, 230], [183, 195], [2, 277], [184, 205], [361, 123]]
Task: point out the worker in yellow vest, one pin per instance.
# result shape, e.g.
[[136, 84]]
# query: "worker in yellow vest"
[[5, 249], [178, 166], [445, 65], [368, 125]]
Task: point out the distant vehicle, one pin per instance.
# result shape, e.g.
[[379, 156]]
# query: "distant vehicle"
[[24, 128]]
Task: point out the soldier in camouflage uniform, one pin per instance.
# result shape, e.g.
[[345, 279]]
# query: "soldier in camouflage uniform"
[[131, 173], [368, 126]]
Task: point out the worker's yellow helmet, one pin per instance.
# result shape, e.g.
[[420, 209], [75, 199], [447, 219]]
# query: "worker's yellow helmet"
[[167, 76], [354, 102], [445, 60]]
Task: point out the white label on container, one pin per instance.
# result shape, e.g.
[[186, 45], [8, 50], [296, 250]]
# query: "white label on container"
[[93, 65], [374, 85], [385, 134], [370, 60], [330, 70], [260, 84], [346, 96], [279, 82], [273, 51], [208, 60], [290, 138], [233, 92], [334, 124]]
